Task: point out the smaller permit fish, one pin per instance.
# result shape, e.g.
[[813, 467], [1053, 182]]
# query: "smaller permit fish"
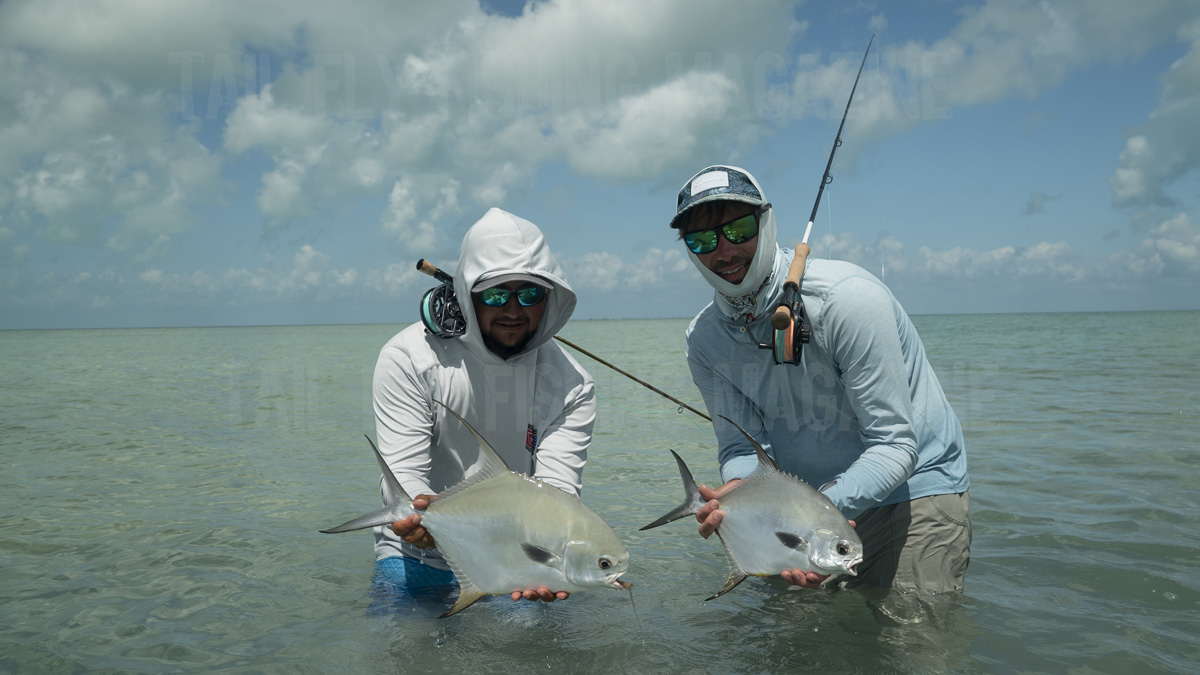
[[774, 522], [501, 532]]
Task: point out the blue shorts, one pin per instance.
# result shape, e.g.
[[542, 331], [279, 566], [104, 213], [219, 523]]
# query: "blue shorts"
[[402, 584]]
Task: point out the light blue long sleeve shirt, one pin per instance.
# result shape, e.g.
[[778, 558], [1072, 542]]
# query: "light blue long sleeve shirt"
[[863, 410]]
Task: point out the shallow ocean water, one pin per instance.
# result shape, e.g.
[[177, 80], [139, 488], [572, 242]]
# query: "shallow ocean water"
[[163, 489]]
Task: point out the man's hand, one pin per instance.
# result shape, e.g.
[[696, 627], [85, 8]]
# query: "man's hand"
[[710, 515], [804, 579], [542, 593], [410, 529]]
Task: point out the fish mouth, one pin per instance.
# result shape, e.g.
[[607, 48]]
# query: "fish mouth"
[[852, 568], [620, 583]]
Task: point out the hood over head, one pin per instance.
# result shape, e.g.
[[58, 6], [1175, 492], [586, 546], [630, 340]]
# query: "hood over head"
[[720, 182], [501, 247]]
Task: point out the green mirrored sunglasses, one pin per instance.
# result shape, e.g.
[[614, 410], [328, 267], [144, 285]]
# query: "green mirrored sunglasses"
[[498, 297], [736, 231]]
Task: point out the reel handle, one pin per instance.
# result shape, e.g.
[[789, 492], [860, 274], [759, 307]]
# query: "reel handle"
[[782, 317]]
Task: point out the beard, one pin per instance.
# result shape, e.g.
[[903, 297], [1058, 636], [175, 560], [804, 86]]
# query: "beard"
[[506, 351]]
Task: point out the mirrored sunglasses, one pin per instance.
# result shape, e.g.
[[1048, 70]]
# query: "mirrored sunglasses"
[[737, 231], [526, 297]]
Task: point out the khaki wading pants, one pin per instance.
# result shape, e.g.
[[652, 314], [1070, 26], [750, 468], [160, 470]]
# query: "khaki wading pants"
[[923, 545]]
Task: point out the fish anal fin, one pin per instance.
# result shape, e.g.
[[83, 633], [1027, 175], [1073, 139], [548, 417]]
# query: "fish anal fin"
[[468, 595], [793, 541], [736, 577], [540, 555], [468, 592]]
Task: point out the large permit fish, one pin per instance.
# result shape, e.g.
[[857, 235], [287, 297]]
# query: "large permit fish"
[[774, 522], [501, 532]]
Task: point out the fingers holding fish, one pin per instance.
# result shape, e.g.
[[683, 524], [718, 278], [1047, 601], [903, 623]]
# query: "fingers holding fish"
[[541, 593], [710, 515], [804, 579], [410, 529]]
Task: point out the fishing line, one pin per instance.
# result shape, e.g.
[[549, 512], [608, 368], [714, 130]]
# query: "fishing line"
[[706, 430], [645, 384]]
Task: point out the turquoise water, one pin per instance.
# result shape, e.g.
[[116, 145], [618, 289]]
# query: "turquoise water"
[[163, 489]]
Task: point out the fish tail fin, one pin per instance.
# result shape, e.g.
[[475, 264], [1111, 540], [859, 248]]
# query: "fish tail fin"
[[691, 501], [396, 502], [383, 516]]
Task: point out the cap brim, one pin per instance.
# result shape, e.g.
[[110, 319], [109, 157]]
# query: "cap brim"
[[724, 196], [502, 279]]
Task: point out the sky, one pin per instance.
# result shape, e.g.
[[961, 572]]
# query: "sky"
[[289, 161]]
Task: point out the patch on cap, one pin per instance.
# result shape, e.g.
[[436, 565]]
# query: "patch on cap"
[[708, 181]]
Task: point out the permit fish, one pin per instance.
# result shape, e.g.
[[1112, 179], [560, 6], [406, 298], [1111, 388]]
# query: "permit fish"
[[501, 531], [774, 522]]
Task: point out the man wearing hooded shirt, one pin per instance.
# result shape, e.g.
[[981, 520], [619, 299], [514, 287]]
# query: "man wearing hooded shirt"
[[523, 393], [862, 414]]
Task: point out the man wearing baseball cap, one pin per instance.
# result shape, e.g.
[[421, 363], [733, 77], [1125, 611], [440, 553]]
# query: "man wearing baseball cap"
[[861, 414]]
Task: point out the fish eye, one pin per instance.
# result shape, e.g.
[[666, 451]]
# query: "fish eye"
[[843, 548], [605, 563]]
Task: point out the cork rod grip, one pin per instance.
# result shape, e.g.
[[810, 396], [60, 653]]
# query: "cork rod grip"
[[783, 314], [426, 267]]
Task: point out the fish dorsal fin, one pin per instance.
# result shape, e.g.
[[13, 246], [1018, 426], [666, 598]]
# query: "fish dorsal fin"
[[493, 464], [766, 465]]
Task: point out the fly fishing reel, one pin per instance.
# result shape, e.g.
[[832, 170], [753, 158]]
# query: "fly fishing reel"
[[440, 311], [788, 338]]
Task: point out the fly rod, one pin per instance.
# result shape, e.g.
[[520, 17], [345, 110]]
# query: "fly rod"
[[789, 307], [429, 268]]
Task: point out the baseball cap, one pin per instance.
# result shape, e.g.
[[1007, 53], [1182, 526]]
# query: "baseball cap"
[[714, 183]]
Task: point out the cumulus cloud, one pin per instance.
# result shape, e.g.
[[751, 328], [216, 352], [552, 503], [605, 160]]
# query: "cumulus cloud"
[[1167, 146], [998, 50], [401, 223], [117, 120], [607, 271], [1170, 250], [92, 162], [1048, 261]]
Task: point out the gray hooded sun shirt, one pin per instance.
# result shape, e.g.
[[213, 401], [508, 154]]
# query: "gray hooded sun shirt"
[[540, 397]]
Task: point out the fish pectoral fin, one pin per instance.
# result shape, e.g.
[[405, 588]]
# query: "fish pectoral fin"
[[790, 540], [540, 555], [736, 577], [468, 595]]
